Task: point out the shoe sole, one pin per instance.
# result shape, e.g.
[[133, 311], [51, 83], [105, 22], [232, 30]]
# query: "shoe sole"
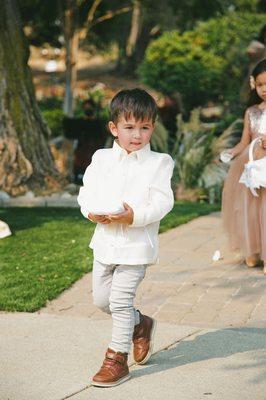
[[149, 354], [111, 384]]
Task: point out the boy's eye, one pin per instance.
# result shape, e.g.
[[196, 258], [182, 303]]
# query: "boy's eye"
[[128, 127], [145, 127]]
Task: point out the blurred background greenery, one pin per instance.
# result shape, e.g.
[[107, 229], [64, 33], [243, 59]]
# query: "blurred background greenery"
[[192, 55]]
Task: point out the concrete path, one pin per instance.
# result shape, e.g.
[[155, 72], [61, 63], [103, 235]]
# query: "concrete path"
[[210, 343]]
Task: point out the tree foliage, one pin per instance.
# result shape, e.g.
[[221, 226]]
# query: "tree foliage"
[[207, 63]]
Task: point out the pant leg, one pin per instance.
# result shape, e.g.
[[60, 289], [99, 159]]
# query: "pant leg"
[[102, 275], [126, 279]]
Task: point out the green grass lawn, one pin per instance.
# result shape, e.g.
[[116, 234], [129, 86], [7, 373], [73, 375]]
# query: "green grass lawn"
[[48, 251]]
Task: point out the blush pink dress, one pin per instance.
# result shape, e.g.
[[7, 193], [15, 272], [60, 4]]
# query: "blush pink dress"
[[244, 215]]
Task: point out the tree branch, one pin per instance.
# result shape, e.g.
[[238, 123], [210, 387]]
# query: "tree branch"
[[84, 31], [92, 11], [111, 14]]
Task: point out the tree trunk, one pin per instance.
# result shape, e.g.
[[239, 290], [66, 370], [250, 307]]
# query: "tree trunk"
[[135, 29], [72, 45], [126, 64], [132, 52], [25, 159]]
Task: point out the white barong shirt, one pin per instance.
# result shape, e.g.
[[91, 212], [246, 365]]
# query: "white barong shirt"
[[142, 179]]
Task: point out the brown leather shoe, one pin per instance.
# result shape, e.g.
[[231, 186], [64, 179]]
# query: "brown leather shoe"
[[252, 261], [142, 339], [113, 371]]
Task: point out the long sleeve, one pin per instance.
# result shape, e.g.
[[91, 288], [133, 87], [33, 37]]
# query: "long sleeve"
[[87, 192], [161, 196]]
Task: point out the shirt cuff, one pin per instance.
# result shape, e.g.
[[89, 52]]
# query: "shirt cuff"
[[138, 219]]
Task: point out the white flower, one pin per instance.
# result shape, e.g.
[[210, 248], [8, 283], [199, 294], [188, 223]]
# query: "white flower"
[[252, 82], [217, 255]]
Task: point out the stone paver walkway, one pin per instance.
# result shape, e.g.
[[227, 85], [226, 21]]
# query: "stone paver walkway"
[[187, 287]]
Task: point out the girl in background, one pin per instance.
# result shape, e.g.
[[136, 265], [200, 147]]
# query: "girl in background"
[[244, 215]]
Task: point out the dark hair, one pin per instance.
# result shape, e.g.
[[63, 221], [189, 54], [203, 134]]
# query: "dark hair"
[[133, 102], [262, 35], [254, 98]]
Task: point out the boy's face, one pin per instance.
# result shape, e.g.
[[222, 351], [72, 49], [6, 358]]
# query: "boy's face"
[[132, 135]]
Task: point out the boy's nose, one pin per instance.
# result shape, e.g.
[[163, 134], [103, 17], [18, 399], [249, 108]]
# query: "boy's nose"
[[136, 134]]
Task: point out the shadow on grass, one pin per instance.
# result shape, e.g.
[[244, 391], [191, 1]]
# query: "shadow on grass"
[[21, 218]]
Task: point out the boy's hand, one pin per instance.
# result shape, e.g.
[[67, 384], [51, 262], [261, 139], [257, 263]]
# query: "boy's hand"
[[125, 217], [102, 219]]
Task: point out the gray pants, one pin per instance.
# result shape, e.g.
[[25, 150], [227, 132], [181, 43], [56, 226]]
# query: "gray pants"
[[114, 288]]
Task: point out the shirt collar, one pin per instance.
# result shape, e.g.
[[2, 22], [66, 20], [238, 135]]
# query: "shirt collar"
[[141, 154]]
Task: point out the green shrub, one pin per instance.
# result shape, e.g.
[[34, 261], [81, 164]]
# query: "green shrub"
[[208, 63], [52, 111], [179, 62], [54, 119], [49, 103]]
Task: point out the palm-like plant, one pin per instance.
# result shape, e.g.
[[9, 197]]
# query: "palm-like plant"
[[159, 139], [215, 171], [196, 153]]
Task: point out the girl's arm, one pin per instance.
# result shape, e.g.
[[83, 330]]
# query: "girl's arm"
[[245, 139], [263, 143]]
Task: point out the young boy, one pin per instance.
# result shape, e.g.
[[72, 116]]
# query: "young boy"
[[127, 191]]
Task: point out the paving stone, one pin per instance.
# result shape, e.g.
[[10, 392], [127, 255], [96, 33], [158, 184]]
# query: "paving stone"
[[172, 314], [236, 312], [187, 287], [203, 313], [259, 312]]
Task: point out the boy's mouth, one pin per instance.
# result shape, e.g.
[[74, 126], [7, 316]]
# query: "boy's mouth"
[[135, 143]]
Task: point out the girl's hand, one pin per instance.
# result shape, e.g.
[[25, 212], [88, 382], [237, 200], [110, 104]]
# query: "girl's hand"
[[230, 151], [102, 219], [125, 217], [263, 143]]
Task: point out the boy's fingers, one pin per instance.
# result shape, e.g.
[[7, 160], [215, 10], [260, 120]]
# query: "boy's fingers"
[[117, 216], [114, 218], [127, 207]]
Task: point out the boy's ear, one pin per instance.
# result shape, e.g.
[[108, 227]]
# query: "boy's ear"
[[113, 128]]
